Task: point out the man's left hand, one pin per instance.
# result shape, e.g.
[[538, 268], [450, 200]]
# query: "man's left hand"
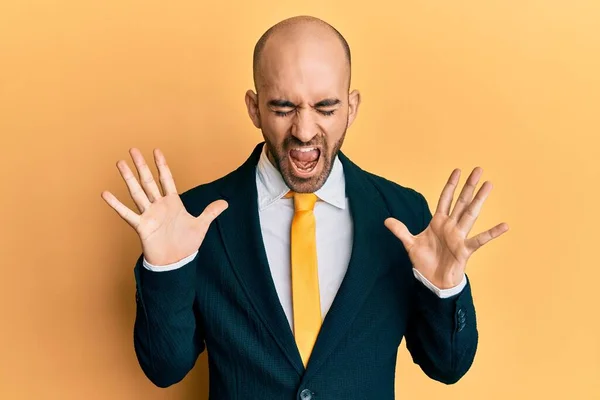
[[441, 251]]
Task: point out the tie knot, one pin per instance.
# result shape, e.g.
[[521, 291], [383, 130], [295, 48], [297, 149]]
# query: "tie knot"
[[303, 201]]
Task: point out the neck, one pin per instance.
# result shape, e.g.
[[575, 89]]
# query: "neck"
[[271, 158]]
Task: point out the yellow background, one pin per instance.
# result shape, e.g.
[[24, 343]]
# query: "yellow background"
[[513, 86]]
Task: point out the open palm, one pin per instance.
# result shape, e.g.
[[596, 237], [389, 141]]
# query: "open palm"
[[440, 253], [168, 233]]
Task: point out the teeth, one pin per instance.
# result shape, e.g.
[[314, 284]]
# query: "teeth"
[[305, 149]]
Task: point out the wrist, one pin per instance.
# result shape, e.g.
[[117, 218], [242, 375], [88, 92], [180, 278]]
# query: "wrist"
[[447, 280], [166, 262]]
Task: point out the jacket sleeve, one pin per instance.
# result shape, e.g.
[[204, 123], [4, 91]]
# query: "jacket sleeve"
[[441, 334], [168, 336]]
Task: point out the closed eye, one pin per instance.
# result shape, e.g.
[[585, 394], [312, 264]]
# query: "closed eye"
[[327, 113], [286, 113]]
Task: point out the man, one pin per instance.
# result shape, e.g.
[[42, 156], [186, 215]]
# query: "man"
[[308, 280]]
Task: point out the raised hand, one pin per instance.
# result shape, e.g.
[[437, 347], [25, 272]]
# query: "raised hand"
[[167, 231], [441, 251]]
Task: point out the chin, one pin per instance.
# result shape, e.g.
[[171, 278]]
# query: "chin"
[[300, 173]]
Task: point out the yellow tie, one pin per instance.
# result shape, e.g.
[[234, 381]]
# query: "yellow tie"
[[306, 300]]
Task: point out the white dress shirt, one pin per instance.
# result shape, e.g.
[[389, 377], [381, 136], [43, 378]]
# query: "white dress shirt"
[[334, 233]]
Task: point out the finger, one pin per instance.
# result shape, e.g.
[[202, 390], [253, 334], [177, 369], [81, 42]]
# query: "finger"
[[129, 216], [135, 190], [448, 193], [400, 231], [146, 178], [211, 212], [466, 194], [469, 216], [476, 242], [164, 173]]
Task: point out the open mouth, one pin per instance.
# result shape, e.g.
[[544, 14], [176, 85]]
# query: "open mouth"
[[304, 160]]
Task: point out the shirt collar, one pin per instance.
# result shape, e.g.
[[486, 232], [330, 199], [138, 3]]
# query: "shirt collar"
[[271, 186]]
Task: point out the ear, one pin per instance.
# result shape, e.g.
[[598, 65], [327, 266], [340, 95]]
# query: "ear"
[[353, 103], [252, 106]]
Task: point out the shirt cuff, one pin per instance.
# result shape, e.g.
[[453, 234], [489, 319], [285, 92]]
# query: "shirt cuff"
[[169, 267], [441, 293]]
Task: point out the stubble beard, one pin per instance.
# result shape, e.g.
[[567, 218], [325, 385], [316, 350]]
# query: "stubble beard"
[[278, 155]]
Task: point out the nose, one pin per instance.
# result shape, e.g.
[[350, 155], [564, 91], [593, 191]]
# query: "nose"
[[304, 127]]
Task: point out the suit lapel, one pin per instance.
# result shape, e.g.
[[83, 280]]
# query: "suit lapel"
[[368, 213], [239, 226], [240, 230]]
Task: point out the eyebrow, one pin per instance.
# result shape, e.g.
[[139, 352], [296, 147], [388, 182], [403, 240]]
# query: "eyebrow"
[[328, 103], [288, 104], [281, 103]]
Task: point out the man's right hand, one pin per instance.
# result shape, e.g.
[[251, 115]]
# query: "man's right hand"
[[167, 231]]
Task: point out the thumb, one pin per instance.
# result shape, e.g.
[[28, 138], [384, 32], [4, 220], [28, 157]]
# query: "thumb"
[[212, 211], [400, 231]]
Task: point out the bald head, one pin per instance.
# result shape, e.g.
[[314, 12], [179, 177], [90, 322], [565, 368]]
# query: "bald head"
[[295, 36], [303, 104]]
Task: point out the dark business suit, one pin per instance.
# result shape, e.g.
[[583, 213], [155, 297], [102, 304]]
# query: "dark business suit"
[[225, 302]]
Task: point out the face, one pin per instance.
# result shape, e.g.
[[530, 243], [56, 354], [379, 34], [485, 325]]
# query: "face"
[[303, 109]]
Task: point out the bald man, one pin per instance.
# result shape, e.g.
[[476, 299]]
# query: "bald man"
[[300, 273]]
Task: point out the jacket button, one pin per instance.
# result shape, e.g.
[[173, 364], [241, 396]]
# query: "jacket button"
[[306, 394]]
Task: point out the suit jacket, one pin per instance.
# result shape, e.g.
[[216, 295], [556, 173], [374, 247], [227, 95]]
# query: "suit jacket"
[[225, 302]]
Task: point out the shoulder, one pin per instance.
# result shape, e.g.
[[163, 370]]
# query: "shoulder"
[[394, 190], [198, 197], [393, 193], [402, 202], [386, 187]]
